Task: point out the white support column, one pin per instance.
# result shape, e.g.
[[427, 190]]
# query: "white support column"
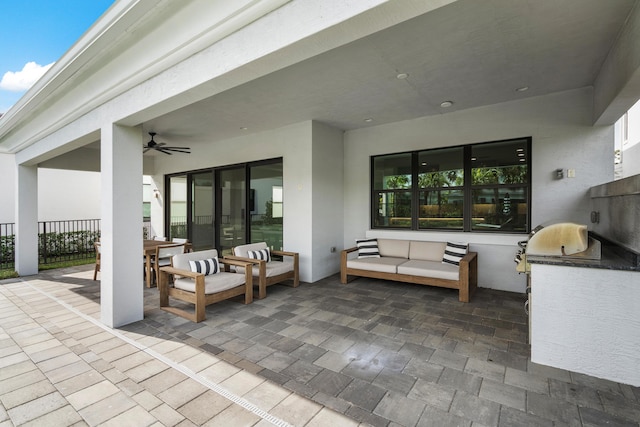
[[26, 250], [121, 280]]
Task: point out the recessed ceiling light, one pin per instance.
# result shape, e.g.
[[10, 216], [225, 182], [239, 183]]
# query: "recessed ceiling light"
[[473, 158], [522, 89], [446, 104], [519, 149], [521, 154], [402, 76], [244, 128], [368, 120], [523, 160]]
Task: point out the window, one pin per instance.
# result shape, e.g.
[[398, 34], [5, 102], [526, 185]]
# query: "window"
[[392, 191], [146, 200], [479, 187], [441, 189]]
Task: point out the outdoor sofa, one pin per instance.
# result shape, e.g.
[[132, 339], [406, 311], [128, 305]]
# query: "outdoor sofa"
[[442, 264]]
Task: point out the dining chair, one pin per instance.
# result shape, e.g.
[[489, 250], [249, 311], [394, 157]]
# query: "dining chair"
[[179, 240], [162, 238], [163, 257], [97, 248]]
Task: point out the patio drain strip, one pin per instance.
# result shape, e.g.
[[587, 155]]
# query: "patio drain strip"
[[183, 369]]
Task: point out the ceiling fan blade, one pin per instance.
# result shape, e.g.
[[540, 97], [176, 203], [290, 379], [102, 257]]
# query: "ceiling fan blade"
[[162, 146], [180, 151]]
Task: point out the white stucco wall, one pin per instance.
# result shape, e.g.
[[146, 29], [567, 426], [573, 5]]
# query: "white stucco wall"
[[292, 143], [62, 194], [68, 194], [7, 188], [312, 185], [562, 138], [328, 213]]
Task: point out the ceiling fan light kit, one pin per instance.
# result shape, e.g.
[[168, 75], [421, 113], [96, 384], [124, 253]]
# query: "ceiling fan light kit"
[[162, 147]]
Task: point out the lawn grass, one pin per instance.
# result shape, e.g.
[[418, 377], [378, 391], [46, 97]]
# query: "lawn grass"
[[10, 273]]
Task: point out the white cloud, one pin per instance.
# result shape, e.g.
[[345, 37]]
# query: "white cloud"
[[18, 81]]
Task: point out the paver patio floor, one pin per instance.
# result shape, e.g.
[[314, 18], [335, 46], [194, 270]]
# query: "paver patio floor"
[[372, 352]]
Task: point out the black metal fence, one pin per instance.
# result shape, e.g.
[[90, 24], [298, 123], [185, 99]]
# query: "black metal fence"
[[57, 241], [7, 246]]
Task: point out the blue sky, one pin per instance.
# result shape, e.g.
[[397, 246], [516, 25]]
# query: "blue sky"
[[35, 34]]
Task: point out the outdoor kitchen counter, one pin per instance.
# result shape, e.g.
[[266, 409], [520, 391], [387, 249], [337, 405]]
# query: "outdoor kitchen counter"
[[583, 314], [614, 257]]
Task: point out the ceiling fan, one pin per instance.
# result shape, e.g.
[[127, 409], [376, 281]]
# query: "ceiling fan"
[[153, 145]]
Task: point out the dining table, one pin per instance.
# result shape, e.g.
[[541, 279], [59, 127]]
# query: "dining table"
[[149, 247]]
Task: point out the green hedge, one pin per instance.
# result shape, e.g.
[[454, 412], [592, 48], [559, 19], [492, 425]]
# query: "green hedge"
[[71, 243], [7, 249], [67, 243]]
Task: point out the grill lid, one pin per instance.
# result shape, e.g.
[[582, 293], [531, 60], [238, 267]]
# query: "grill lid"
[[561, 239]]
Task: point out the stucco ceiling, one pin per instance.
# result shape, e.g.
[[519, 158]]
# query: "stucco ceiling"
[[470, 52]]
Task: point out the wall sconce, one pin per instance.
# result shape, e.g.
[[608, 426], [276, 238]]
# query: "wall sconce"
[[156, 193], [559, 174]]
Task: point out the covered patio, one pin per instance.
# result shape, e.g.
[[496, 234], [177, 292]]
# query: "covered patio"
[[322, 89], [370, 352]]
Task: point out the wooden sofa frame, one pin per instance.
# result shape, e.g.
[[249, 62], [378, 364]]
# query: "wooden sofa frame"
[[466, 284]]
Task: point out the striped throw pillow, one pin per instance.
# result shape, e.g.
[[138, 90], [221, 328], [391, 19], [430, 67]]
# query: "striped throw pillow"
[[262, 254], [454, 252], [206, 266], [367, 248]]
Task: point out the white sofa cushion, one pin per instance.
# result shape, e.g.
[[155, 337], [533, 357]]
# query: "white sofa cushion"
[[426, 251], [212, 283], [393, 248], [435, 269], [382, 265]]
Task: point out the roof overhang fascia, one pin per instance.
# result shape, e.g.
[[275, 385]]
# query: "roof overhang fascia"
[[105, 40]]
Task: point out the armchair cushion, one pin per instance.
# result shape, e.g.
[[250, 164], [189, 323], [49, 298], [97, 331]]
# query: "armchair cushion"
[[242, 250], [206, 266], [182, 261], [213, 283]]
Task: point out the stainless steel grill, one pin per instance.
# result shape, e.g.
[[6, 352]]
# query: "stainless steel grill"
[[564, 240]]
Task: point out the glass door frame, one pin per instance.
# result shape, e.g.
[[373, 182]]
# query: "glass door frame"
[[217, 216]]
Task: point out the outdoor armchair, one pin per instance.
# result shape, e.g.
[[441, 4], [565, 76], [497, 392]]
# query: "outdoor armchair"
[[266, 271], [202, 279]]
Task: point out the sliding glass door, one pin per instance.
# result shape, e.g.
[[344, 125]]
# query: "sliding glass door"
[[266, 203], [177, 212], [201, 212], [216, 208], [231, 201]]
